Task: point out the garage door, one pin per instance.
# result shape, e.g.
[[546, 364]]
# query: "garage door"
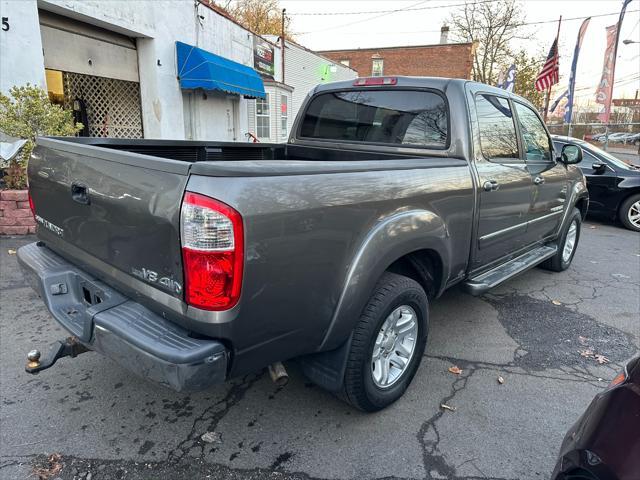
[[100, 75]]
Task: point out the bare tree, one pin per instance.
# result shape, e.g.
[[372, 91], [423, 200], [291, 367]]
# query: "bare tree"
[[492, 26], [263, 17]]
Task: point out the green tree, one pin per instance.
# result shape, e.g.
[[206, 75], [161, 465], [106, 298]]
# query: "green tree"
[[27, 113], [527, 69], [492, 26]]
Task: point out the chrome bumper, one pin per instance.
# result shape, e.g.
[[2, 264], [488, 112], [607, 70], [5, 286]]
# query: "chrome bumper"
[[106, 321]]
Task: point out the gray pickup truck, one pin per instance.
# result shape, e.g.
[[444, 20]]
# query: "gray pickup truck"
[[192, 262]]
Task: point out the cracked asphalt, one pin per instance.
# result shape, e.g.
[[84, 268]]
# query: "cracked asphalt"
[[107, 424]]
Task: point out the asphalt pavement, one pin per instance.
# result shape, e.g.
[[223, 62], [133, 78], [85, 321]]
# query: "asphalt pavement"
[[100, 422]]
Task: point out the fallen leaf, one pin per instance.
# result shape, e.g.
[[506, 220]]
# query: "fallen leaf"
[[210, 437], [444, 406], [51, 470], [11, 251], [586, 353], [582, 340], [500, 380], [601, 359], [556, 302], [455, 370]]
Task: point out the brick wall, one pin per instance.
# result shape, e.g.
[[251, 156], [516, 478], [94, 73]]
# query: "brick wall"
[[451, 60], [15, 214]]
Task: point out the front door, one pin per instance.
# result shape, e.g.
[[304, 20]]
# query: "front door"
[[548, 177], [504, 183]]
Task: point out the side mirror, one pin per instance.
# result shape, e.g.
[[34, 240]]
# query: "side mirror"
[[571, 154], [598, 166]]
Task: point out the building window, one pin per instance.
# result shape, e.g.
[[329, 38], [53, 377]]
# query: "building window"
[[377, 67], [263, 118], [345, 62], [284, 113]]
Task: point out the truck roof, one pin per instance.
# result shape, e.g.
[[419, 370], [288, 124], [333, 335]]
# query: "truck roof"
[[438, 83]]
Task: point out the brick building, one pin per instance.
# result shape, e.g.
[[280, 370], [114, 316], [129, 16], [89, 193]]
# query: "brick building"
[[441, 60]]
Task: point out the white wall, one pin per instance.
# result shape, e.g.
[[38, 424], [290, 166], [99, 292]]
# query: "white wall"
[[157, 26], [21, 59], [304, 69]]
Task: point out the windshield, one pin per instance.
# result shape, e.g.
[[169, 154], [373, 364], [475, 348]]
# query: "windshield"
[[378, 116], [607, 156]]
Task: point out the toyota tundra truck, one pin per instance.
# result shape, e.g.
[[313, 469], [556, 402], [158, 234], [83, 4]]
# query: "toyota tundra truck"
[[193, 262]]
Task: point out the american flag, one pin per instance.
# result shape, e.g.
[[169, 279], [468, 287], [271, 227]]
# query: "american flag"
[[549, 74]]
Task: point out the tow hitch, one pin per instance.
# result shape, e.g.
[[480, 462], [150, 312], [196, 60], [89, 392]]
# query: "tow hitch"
[[69, 347]]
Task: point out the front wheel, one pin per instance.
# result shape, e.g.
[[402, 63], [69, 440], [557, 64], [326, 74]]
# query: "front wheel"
[[388, 344], [630, 213], [567, 244]]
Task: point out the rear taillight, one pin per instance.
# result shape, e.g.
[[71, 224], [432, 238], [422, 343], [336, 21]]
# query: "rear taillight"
[[212, 252], [31, 205], [371, 81]]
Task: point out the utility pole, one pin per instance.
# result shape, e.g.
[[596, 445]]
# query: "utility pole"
[[282, 46]]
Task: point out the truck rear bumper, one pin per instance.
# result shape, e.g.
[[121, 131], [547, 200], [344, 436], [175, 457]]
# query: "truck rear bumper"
[[106, 321]]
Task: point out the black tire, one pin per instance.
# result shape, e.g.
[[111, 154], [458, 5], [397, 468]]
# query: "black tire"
[[391, 291], [557, 263], [624, 212]]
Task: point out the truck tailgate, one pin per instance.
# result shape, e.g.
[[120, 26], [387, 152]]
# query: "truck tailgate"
[[120, 208]]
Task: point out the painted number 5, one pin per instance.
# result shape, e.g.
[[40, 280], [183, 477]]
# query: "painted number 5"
[[5, 24]]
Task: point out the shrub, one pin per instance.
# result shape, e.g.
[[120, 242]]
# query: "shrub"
[[27, 113]]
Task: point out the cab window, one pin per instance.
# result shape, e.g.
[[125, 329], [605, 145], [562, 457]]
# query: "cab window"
[[498, 139], [537, 146]]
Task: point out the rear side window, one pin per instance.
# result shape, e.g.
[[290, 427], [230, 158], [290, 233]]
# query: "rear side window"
[[378, 116], [497, 131]]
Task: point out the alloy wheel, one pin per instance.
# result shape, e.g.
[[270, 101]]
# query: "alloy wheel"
[[394, 346]]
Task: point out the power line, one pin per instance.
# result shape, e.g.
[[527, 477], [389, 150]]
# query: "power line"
[[524, 24], [389, 12], [410, 8]]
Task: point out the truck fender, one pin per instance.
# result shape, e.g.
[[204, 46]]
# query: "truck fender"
[[579, 198], [389, 240]]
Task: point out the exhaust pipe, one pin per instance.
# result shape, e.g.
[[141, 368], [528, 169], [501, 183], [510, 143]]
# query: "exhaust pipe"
[[278, 374]]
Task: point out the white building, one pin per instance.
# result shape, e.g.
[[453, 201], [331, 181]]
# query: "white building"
[[116, 64], [271, 118]]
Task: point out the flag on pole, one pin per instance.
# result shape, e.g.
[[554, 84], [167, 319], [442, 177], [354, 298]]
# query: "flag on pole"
[[604, 93], [605, 87], [510, 79], [568, 112], [549, 75], [557, 101]]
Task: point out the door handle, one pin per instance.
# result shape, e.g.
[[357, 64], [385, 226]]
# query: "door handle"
[[80, 193], [490, 185], [538, 180]]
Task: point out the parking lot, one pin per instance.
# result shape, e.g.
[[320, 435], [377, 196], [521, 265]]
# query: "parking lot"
[[104, 423]]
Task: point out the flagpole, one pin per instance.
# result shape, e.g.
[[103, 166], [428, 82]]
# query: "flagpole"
[[613, 74], [546, 100]]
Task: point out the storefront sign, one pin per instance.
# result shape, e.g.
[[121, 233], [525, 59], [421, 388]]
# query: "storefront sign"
[[263, 54]]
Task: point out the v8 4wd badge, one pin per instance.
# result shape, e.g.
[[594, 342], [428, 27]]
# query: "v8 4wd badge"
[[151, 276]]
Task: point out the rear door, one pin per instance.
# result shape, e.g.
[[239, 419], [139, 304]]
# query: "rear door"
[[110, 212], [504, 187], [548, 177]]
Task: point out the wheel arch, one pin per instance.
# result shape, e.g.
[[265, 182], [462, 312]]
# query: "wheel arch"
[[414, 243]]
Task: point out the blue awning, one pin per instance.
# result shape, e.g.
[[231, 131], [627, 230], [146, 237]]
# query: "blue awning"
[[198, 68]]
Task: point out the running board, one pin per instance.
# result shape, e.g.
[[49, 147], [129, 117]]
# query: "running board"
[[486, 281]]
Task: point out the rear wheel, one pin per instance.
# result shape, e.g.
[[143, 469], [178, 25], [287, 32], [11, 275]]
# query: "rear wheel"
[[388, 344], [630, 213], [567, 244]]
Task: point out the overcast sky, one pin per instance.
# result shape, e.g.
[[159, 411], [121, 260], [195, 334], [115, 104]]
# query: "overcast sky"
[[422, 27]]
